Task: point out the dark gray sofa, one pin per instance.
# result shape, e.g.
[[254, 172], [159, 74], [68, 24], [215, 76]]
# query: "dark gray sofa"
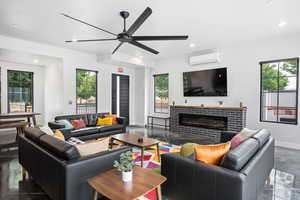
[[57, 167], [241, 176], [91, 131]]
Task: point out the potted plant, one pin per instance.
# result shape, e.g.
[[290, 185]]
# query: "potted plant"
[[125, 165]]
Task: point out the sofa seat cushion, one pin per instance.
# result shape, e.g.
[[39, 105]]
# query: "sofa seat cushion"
[[93, 147], [60, 148], [111, 128], [239, 156], [84, 131], [34, 134], [262, 137]]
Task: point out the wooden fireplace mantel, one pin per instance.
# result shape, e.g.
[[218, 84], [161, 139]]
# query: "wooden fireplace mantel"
[[210, 107]]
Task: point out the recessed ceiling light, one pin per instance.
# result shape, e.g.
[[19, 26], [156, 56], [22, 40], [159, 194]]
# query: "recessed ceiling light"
[[282, 23], [36, 61], [192, 45]]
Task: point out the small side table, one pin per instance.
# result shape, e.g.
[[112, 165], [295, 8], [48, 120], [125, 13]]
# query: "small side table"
[[110, 184]]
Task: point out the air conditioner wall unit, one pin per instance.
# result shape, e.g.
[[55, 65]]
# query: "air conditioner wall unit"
[[204, 57]]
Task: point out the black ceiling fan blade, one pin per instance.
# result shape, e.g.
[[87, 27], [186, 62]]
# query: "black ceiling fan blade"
[[101, 29], [92, 40], [114, 51], [139, 21], [135, 43], [147, 38]]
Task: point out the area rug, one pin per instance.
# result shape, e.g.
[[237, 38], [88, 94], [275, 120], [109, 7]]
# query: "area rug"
[[151, 161]]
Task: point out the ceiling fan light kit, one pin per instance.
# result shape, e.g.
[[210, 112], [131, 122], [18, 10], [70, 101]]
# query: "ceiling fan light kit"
[[127, 36]]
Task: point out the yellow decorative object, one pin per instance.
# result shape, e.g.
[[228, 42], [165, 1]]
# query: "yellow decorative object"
[[104, 121], [58, 134]]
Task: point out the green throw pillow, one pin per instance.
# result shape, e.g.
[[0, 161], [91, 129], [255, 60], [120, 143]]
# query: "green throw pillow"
[[65, 122], [187, 149]]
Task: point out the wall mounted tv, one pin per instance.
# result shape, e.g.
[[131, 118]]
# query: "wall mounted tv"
[[205, 83]]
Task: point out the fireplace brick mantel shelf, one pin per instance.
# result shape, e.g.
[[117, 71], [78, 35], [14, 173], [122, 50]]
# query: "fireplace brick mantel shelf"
[[207, 121]]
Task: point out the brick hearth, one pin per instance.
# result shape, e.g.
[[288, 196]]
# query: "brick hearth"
[[236, 119]]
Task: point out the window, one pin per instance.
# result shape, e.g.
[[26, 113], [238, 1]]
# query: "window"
[[86, 91], [20, 91], [279, 91], [161, 93]]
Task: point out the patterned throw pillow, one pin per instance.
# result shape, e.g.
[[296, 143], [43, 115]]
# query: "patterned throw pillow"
[[66, 123], [77, 124], [211, 154]]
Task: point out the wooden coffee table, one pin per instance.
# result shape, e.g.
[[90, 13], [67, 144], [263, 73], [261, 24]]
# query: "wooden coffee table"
[[110, 184], [131, 139]]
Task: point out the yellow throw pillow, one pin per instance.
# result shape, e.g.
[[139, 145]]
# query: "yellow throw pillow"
[[90, 148], [58, 134], [211, 154], [104, 121]]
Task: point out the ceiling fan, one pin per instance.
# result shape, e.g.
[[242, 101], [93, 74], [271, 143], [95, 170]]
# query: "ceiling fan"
[[126, 36]]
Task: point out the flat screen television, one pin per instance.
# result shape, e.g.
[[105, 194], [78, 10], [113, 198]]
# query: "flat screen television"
[[205, 83]]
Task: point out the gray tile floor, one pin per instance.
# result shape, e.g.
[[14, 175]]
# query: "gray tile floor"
[[284, 183]]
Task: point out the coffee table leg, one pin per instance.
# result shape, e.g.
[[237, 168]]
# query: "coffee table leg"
[[158, 191], [111, 142], [158, 155], [95, 195], [34, 120], [142, 157]]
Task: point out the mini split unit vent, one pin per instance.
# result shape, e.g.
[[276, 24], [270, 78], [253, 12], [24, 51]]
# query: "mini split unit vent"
[[204, 57]]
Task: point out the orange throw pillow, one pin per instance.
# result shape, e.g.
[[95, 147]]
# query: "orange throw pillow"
[[58, 134], [114, 118], [211, 154]]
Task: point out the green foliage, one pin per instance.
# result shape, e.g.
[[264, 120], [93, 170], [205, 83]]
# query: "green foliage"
[[86, 84], [162, 86], [270, 80], [126, 163], [290, 66]]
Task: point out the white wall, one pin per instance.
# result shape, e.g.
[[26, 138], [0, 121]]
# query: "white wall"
[[243, 82], [65, 75]]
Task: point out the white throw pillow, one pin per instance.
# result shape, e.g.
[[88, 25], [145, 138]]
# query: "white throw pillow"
[[247, 133], [90, 148], [47, 130]]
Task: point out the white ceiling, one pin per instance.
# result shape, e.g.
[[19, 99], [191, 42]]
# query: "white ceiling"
[[209, 23]]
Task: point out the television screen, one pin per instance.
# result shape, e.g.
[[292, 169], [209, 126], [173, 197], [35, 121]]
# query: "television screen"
[[205, 83]]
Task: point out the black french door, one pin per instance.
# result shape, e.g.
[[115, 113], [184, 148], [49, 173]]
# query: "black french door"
[[120, 95]]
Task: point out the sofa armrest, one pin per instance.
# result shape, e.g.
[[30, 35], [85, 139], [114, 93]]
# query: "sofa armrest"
[[122, 120], [55, 125], [77, 172], [227, 136], [186, 176]]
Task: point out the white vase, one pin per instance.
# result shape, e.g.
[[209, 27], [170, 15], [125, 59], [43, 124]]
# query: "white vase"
[[127, 176]]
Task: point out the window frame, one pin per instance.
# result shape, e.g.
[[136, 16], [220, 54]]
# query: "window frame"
[[32, 87], [261, 90], [154, 91], [87, 70]]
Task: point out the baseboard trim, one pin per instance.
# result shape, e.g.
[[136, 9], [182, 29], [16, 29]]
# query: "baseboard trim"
[[287, 145]]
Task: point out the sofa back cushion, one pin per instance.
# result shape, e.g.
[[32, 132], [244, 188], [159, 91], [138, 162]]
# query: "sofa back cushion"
[[239, 156], [59, 148], [262, 137], [34, 134]]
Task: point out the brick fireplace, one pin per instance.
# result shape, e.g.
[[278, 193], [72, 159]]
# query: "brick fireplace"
[[207, 121]]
